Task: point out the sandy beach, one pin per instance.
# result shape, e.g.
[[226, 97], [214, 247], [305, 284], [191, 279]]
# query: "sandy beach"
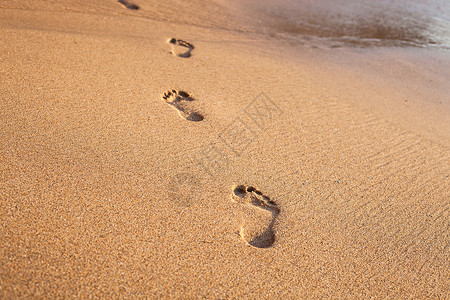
[[173, 150]]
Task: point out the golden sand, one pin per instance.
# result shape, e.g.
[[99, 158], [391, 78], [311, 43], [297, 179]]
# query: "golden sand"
[[108, 190]]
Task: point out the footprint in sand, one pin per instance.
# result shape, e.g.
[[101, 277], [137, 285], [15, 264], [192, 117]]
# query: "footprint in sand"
[[180, 48], [257, 228], [178, 100], [128, 4]]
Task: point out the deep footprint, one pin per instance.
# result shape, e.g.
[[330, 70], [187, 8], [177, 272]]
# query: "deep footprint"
[[180, 48], [128, 4], [257, 232], [178, 100]]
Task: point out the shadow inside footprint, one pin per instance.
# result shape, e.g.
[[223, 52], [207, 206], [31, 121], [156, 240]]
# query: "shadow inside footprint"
[[181, 48], [257, 232], [128, 4], [178, 99]]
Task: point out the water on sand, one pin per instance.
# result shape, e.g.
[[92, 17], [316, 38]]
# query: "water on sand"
[[422, 23]]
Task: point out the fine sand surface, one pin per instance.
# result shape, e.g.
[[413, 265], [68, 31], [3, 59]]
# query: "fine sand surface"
[[174, 151]]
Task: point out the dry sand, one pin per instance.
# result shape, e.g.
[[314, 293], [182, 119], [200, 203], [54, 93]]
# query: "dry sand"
[[108, 190]]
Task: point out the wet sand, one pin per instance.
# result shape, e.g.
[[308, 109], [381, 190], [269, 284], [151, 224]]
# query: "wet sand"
[[160, 152]]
